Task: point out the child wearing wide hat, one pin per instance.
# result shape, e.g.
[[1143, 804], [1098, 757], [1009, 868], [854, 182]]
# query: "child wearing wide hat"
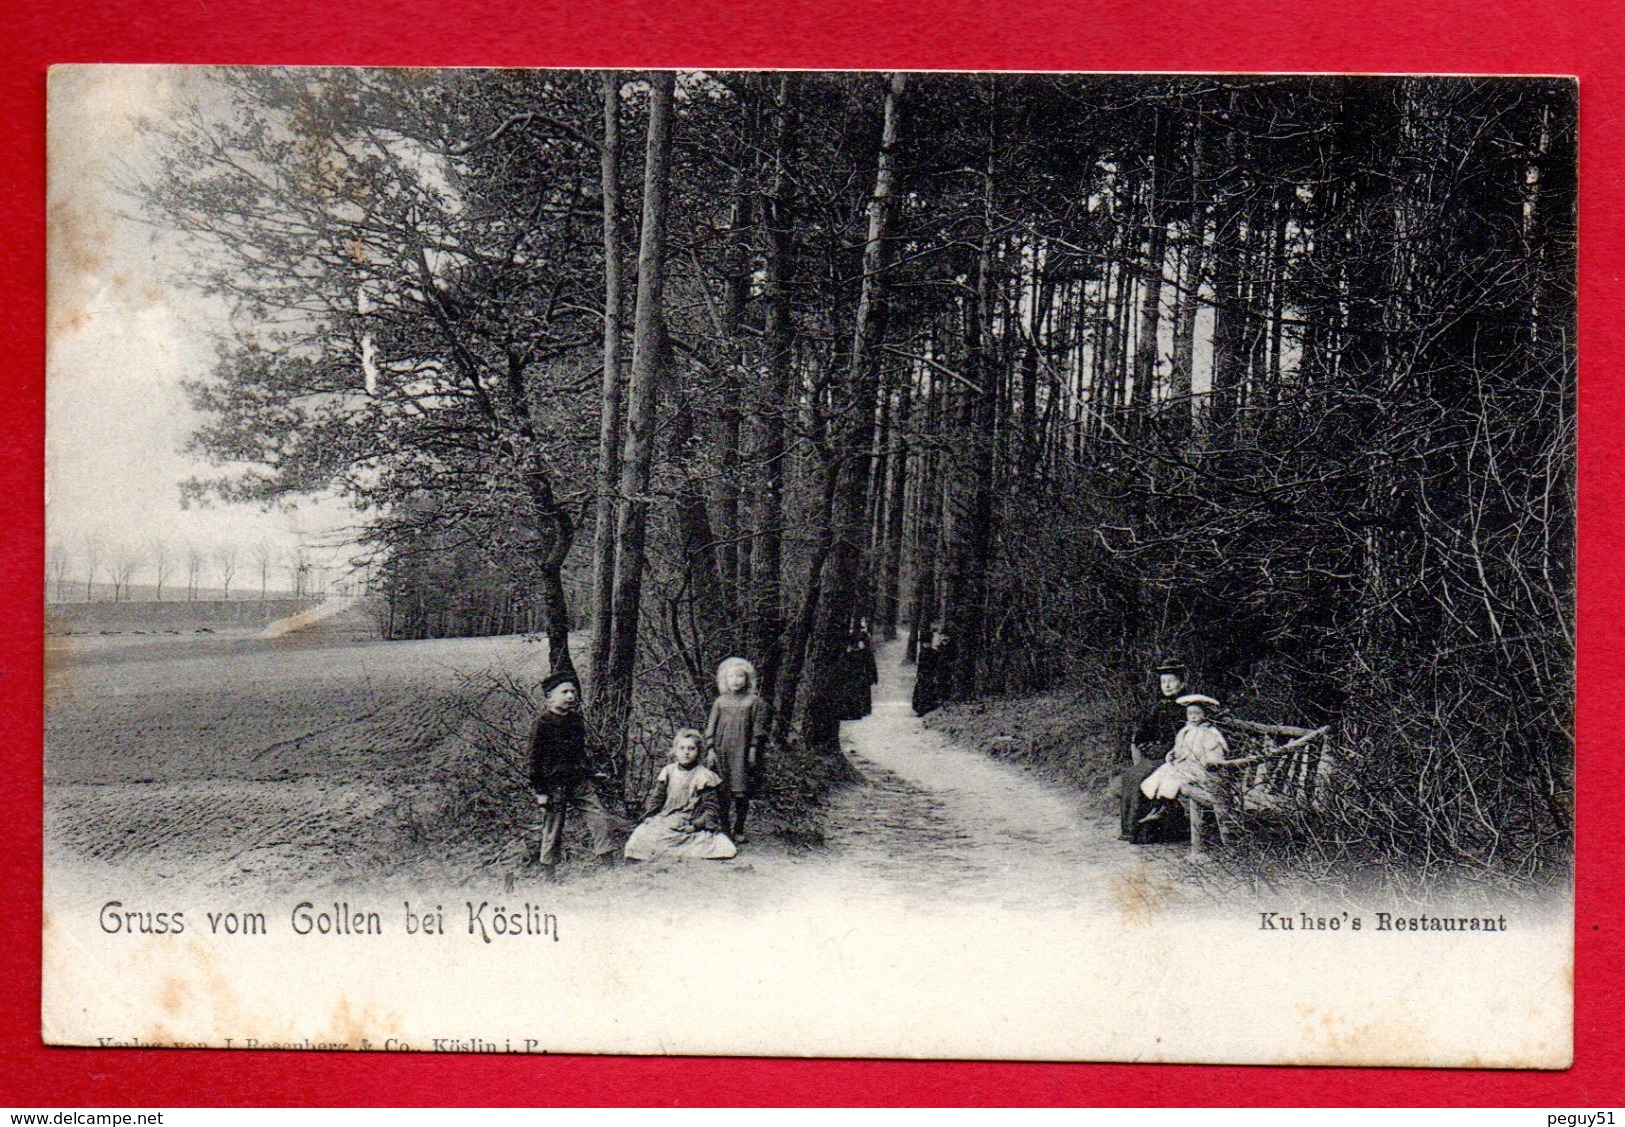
[[1185, 776]]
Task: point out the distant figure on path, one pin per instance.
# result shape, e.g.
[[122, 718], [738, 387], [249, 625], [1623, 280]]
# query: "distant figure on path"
[[858, 674], [683, 815], [732, 735], [561, 773], [1153, 738], [931, 665]]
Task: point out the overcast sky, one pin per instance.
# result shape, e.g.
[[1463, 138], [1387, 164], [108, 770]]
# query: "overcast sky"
[[123, 335]]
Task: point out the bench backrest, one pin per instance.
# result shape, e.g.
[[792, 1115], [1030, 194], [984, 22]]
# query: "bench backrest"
[[1283, 761]]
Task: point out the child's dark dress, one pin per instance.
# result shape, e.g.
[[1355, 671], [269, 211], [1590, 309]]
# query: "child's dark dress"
[[730, 733]]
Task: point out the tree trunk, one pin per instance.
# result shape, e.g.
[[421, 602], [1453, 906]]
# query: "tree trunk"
[[927, 511], [891, 577], [1278, 277], [609, 424], [816, 706], [1229, 328], [1188, 300], [724, 486], [1228, 358], [555, 533], [701, 564], [778, 341], [643, 394], [969, 537], [1043, 290], [1145, 351], [1180, 384]]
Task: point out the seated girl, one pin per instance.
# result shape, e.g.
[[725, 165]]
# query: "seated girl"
[[1185, 776], [683, 816]]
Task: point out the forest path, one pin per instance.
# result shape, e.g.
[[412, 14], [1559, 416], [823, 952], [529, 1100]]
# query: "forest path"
[[938, 819], [929, 825]]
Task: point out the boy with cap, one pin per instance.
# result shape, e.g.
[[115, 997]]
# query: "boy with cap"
[[561, 772]]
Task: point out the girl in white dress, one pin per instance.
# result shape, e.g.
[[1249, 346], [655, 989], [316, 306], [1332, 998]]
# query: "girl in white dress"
[[1185, 775], [1198, 744], [683, 815]]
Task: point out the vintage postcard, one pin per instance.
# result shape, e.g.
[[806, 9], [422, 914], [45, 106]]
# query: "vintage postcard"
[[1026, 566]]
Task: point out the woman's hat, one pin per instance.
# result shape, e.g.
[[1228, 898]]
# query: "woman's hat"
[[1197, 698], [1170, 665]]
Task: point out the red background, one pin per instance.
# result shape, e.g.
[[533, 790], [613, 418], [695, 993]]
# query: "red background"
[[1570, 37]]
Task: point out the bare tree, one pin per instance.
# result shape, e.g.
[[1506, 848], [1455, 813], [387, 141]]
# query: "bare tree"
[[298, 563], [609, 430], [194, 570], [58, 561], [225, 562], [642, 403], [264, 557], [775, 210], [126, 562], [163, 562], [95, 548]]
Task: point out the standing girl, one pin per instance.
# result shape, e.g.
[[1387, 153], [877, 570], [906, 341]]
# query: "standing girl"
[[732, 733]]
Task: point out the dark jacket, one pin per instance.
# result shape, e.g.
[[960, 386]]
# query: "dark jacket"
[[558, 751], [1157, 726]]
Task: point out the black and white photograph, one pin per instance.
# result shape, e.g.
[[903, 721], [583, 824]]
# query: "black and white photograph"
[[1043, 566]]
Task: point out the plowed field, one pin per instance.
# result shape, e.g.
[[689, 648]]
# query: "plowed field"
[[229, 759]]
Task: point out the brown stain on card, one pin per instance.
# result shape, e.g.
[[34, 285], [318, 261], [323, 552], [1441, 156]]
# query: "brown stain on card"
[[351, 1025], [173, 995], [201, 999], [80, 240], [1142, 894], [1332, 1038], [201, 991], [93, 120]]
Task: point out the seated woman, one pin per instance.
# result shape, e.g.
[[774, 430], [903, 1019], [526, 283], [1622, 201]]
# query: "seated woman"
[[1185, 774], [683, 816]]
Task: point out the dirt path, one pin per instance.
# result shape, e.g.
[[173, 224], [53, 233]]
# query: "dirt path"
[[940, 819], [929, 822]]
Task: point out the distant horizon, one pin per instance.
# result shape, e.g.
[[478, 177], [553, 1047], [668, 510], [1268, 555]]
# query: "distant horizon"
[[147, 593]]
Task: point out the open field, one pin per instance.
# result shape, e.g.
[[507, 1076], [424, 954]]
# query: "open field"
[[320, 757], [244, 758], [330, 758]]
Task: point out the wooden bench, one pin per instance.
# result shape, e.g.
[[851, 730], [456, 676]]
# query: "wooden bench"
[[1272, 769]]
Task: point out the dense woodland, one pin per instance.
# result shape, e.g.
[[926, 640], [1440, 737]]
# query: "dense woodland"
[[1276, 374]]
